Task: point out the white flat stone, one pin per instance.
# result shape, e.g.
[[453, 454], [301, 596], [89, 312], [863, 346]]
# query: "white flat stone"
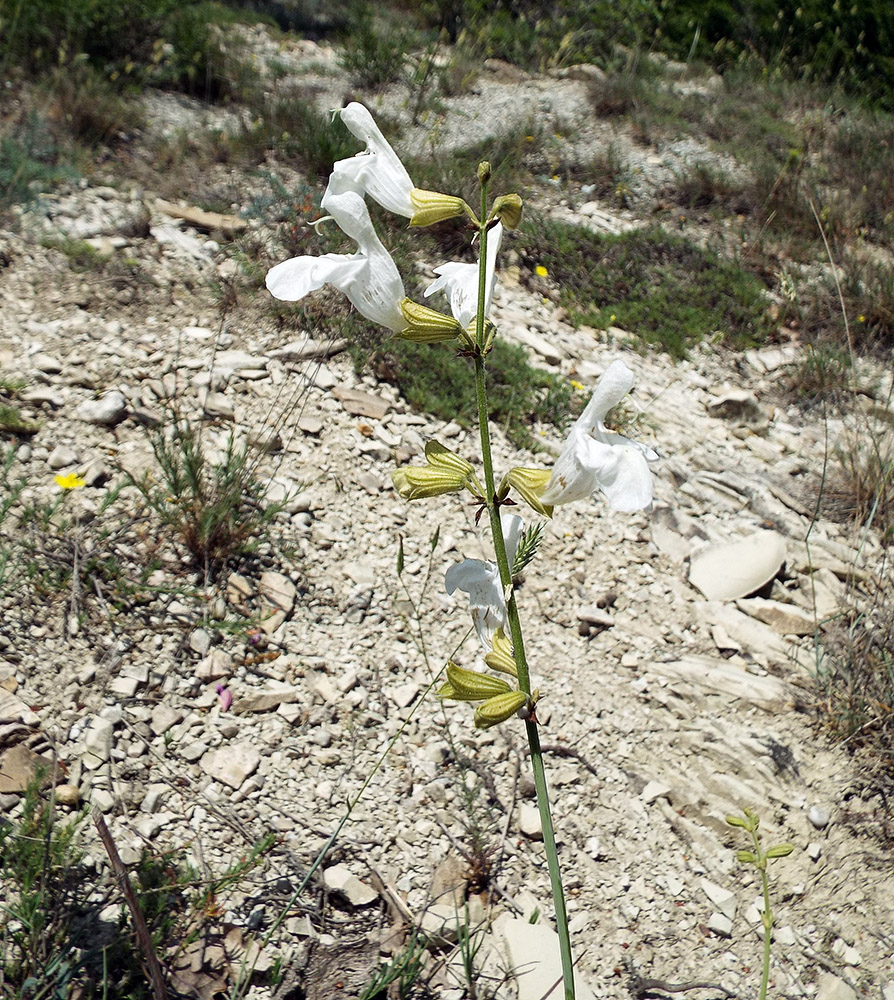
[[729, 570]]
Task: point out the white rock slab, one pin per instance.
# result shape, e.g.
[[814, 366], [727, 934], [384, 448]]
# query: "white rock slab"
[[533, 951], [786, 619], [729, 570], [703, 674], [231, 765]]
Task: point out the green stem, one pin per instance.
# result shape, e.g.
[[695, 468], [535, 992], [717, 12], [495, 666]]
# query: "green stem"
[[524, 675], [767, 916]]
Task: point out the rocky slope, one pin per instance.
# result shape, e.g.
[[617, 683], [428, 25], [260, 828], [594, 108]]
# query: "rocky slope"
[[673, 649]]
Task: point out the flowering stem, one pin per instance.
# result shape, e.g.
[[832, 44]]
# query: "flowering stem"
[[524, 676]]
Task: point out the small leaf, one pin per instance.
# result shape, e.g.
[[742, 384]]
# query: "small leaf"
[[435, 537], [746, 858], [780, 851], [737, 821], [400, 554]]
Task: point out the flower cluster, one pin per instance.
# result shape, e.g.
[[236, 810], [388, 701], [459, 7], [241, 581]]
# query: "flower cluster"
[[592, 459], [369, 278]]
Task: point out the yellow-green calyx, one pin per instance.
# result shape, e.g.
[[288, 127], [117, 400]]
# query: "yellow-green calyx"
[[431, 207], [470, 685], [529, 483], [500, 657], [426, 326], [499, 708], [446, 472], [483, 172], [508, 209]]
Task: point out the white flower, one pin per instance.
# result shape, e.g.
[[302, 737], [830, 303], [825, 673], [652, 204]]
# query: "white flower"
[[459, 282], [369, 277], [594, 458], [481, 581], [376, 171]]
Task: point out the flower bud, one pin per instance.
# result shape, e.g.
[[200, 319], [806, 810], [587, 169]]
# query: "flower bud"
[[508, 209], [483, 172], [499, 708], [500, 657], [431, 207], [530, 483], [426, 326], [420, 483], [470, 685]]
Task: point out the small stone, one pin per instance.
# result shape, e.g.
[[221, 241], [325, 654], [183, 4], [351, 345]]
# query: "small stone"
[[102, 799], [199, 641], [720, 924], [786, 619], [218, 406], [723, 899], [529, 821], [61, 457], [784, 936], [739, 405], [814, 851], [231, 765], [341, 879], [846, 953], [98, 738], [818, 816], [163, 718], [106, 411], [67, 795], [267, 700], [654, 790], [730, 570], [833, 988]]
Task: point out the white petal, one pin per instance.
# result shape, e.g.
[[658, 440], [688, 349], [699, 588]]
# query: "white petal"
[[627, 481], [459, 282], [293, 279], [573, 476], [377, 171], [512, 529], [616, 381], [369, 278], [481, 581]]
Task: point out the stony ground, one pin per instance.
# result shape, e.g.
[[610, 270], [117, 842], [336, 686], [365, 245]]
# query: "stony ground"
[[673, 649]]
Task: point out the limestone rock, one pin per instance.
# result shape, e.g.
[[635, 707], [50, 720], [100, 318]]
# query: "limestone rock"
[[231, 765], [729, 570]]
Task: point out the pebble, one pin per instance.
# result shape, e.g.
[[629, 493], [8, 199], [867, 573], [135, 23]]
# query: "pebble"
[[108, 410], [819, 817]]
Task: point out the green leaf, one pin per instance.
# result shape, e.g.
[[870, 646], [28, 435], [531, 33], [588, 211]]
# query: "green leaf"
[[746, 858], [435, 537], [737, 821], [400, 554], [780, 851]]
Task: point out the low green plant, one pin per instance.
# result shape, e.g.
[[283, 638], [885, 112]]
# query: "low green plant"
[[760, 860], [40, 876], [664, 289], [31, 160], [401, 976], [373, 55], [521, 396], [216, 510]]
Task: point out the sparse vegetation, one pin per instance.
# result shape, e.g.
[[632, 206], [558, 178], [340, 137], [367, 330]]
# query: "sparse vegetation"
[[215, 508], [645, 282]]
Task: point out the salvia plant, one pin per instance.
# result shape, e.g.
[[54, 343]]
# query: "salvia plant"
[[592, 459]]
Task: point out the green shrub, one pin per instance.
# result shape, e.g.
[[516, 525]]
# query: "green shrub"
[[30, 159], [432, 380], [659, 286]]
